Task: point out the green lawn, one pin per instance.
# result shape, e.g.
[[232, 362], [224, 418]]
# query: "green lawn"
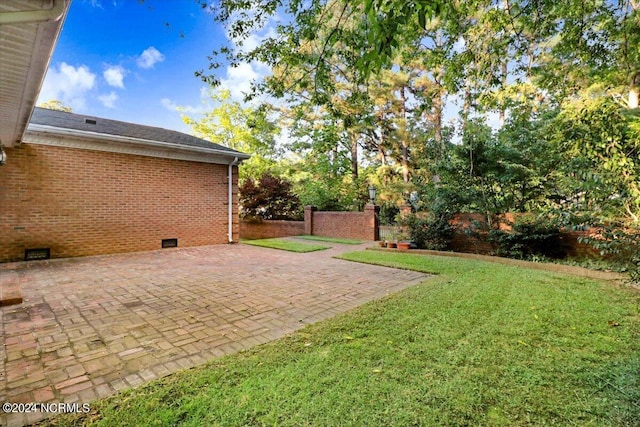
[[481, 344], [285, 245], [331, 239]]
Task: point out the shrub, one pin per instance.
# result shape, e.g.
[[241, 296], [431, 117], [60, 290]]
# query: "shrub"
[[620, 244], [431, 232], [388, 213], [269, 198], [531, 237]]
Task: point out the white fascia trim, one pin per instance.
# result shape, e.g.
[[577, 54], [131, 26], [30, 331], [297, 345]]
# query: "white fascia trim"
[[47, 14], [51, 135]]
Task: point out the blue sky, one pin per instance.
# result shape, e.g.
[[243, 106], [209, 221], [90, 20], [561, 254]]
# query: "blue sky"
[[135, 61], [119, 59]]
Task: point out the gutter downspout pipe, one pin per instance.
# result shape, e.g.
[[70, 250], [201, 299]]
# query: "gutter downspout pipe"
[[231, 165], [50, 14]]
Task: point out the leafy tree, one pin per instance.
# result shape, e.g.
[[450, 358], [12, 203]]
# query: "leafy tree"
[[366, 84], [269, 197], [54, 104], [383, 22], [241, 128], [600, 145], [529, 175]]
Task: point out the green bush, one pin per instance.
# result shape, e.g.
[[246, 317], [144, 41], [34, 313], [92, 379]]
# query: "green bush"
[[269, 197], [531, 237], [431, 232], [388, 213], [621, 246]]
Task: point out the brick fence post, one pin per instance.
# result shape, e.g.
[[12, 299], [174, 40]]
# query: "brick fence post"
[[308, 220], [372, 221]]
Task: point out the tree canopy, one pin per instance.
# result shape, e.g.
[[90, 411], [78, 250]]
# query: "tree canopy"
[[242, 128], [488, 106]]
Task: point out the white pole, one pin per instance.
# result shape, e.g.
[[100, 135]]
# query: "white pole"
[[231, 165]]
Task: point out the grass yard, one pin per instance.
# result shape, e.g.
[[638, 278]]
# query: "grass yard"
[[481, 344], [330, 239], [285, 245]]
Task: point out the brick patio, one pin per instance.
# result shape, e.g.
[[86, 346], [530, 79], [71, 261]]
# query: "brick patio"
[[90, 327]]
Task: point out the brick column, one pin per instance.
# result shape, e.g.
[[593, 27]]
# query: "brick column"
[[308, 220], [372, 220]]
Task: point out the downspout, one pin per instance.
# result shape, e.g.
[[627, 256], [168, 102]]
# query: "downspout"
[[50, 14], [231, 165]]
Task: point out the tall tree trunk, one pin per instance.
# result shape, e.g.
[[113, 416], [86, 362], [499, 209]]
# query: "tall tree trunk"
[[354, 155], [405, 147], [466, 111], [504, 85], [634, 91], [504, 71], [466, 106], [438, 102], [437, 116], [380, 143]]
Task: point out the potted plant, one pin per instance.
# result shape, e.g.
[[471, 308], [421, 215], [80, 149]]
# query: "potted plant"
[[393, 239], [403, 241], [382, 243], [404, 246]]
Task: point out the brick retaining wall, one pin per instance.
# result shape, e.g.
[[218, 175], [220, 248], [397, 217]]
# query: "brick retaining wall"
[[349, 225], [478, 243], [268, 229]]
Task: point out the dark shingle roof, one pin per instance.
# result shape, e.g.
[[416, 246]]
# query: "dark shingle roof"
[[80, 122]]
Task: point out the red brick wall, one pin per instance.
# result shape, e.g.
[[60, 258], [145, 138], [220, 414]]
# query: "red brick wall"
[[576, 248], [478, 242], [472, 220], [269, 229], [81, 202], [348, 225], [471, 244], [462, 242]]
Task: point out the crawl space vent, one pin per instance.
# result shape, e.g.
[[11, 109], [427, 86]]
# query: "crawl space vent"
[[169, 243], [35, 254]]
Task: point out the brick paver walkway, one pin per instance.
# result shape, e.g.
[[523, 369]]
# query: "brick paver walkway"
[[89, 327]]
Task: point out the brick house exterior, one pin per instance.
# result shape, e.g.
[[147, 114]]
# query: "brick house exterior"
[[81, 185]]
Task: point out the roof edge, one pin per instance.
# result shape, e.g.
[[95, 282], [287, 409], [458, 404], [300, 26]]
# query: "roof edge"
[[48, 26], [96, 136]]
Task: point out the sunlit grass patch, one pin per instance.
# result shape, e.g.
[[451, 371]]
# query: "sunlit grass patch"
[[331, 239], [285, 245]]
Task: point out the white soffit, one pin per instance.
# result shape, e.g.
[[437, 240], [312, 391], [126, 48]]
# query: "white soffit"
[[29, 30]]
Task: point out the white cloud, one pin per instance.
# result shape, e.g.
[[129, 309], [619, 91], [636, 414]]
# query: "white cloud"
[[169, 104], [114, 76], [109, 99], [68, 84], [239, 79], [188, 109], [149, 57], [254, 40], [460, 45]]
